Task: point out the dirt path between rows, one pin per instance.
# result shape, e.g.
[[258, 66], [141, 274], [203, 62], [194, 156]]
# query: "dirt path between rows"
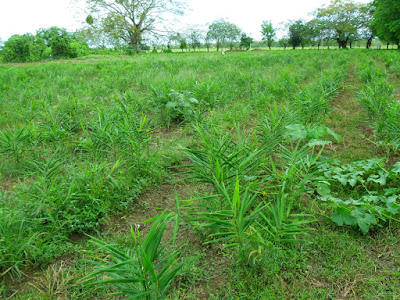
[[347, 120]]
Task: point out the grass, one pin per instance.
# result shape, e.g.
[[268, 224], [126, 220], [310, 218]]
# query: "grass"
[[92, 147]]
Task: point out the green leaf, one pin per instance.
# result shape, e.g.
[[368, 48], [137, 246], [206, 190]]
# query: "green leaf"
[[364, 220], [336, 136], [341, 178], [352, 181], [295, 132], [315, 142], [323, 189], [249, 178], [171, 104], [316, 133], [343, 215], [396, 167], [378, 179]]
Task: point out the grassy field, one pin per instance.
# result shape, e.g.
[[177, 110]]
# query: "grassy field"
[[255, 175]]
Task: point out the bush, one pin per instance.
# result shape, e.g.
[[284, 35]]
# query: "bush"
[[77, 49], [23, 48], [60, 46]]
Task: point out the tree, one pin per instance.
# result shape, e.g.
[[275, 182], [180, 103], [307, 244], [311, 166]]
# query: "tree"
[[217, 32], [234, 34], [284, 42], [268, 33], [320, 32], [207, 41], [367, 30], [174, 38], [183, 44], [130, 20], [387, 20], [343, 17], [296, 33], [245, 41], [95, 36], [195, 36], [221, 31]]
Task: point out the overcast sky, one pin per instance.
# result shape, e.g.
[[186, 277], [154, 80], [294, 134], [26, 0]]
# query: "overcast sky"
[[27, 16]]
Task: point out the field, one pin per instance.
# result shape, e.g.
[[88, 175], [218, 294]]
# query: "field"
[[255, 175]]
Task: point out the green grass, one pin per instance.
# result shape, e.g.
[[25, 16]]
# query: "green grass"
[[93, 146]]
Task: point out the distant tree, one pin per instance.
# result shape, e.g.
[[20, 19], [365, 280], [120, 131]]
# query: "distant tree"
[[245, 41], [313, 34], [129, 20], [307, 35], [217, 32], [233, 35], [387, 20], [284, 42], [220, 32], [194, 36], [367, 30], [343, 17], [297, 33], [174, 38], [183, 44], [207, 41], [268, 33], [320, 32]]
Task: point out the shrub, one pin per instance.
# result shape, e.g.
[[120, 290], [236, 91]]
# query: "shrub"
[[23, 48], [77, 49]]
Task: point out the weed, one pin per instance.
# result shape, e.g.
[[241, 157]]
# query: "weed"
[[142, 272]]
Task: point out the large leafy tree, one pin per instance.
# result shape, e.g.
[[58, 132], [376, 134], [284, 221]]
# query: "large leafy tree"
[[218, 32], [221, 31], [343, 17], [387, 20], [297, 31], [268, 33], [130, 20]]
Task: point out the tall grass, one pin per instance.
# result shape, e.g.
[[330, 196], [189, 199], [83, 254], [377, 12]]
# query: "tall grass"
[[381, 107]]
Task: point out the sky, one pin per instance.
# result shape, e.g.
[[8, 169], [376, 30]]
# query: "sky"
[[27, 16]]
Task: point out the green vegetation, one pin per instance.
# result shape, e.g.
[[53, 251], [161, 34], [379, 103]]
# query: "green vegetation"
[[47, 43], [201, 176], [386, 20]]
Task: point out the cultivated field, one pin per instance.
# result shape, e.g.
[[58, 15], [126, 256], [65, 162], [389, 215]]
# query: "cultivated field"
[[262, 175]]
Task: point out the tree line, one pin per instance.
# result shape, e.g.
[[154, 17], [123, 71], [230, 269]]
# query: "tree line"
[[138, 25]]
